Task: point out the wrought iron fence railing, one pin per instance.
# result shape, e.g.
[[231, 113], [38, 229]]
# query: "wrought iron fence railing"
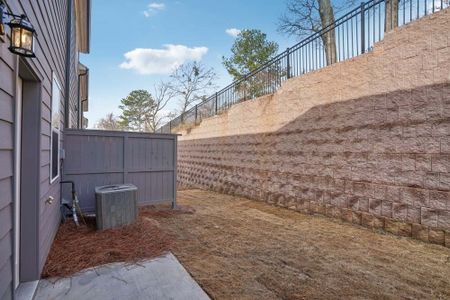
[[353, 34]]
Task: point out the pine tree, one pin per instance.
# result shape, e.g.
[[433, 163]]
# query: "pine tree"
[[250, 50], [137, 111]]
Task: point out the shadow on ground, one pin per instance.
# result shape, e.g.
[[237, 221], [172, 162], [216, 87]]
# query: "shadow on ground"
[[239, 248]]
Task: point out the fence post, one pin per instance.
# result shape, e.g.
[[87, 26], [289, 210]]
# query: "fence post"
[[196, 114], [288, 63], [215, 106], [363, 28]]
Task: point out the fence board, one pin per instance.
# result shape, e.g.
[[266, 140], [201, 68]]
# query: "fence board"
[[94, 158]]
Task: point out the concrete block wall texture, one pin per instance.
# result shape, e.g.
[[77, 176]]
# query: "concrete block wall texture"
[[366, 140]]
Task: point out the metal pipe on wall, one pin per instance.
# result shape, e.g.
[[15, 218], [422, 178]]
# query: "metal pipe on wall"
[[68, 55]]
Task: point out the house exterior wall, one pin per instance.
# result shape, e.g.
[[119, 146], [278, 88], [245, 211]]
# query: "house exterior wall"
[[50, 21], [366, 140], [73, 75], [7, 93]]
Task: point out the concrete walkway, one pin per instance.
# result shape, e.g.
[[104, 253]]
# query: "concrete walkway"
[[160, 278]]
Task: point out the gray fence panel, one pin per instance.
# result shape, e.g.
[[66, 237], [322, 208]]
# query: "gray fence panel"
[[94, 158]]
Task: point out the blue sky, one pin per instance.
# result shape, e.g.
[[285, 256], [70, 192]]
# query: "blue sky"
[[197, 28]]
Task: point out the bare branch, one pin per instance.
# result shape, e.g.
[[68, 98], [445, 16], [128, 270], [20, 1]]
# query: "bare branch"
[[109, 122], [192, 82], [302, 17], [162, 95]]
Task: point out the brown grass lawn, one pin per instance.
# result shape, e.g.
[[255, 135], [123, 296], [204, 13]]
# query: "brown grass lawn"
[[242, 249]]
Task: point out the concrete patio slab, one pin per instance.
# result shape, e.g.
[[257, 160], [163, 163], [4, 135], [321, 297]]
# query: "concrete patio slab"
[[26, 290], [160, 278]]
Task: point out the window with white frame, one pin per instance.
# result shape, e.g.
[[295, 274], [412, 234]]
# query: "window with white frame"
[[55, 129]]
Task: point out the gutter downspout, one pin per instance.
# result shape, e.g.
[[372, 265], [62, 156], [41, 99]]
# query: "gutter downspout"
[[68, 54], [82, 115], [80, 102]]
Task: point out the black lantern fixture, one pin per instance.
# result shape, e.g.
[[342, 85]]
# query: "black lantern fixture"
[[22, 37], [2, 26], [22, 33]]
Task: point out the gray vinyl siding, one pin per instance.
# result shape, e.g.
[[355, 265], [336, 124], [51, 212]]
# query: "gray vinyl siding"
[[49, 18], [5, 280], [73, 78], [7, 92]]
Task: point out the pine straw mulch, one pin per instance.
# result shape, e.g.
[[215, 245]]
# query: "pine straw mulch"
[[77, 248]]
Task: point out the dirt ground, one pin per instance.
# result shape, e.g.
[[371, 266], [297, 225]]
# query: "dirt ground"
[[241, 249]]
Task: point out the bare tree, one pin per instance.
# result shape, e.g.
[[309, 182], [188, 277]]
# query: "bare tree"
[[304, 17], [162, 95], [391, 17], [192, 83], [109, 122], [329, 39]]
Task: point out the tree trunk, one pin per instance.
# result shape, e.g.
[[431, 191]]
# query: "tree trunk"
[[329, 39], [391, 17], [183, 111]]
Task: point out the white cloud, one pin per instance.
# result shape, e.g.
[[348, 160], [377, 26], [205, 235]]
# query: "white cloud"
[[153, 8], [234, 32], [161, 61], [157, 6]]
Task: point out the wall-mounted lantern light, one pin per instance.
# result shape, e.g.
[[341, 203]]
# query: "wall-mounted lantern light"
[[2, 26], [22, 33]]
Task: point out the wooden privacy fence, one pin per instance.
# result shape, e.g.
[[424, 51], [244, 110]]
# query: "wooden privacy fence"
[[95, 158]]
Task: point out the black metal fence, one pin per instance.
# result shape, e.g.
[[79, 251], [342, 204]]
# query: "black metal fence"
[[354, 34]]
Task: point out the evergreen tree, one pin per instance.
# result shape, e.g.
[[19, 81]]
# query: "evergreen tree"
[[137, 111], [251, 50]]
